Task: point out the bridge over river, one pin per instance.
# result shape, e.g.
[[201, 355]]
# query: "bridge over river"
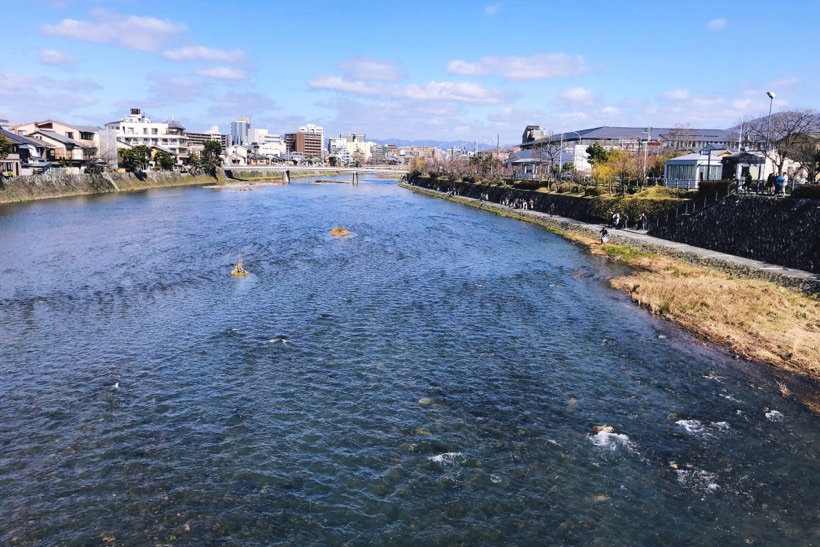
[[280, 170]]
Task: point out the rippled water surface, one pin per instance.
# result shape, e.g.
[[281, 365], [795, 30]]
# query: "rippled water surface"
[[436, 378]]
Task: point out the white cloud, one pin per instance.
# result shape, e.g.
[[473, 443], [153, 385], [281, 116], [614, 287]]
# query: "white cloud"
[[203, 53], [716, 24], [676, 94], [368, 68], [542, 66], [459, 92], [131, 31], [56, 58], [26, 98], [337, 83], [610, 111], [520, 116], [465, 92], [577, 95], [223, 73], [493, 9], [12, 84]]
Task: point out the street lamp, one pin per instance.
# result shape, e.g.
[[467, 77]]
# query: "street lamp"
[[768, 125], [646, 151]]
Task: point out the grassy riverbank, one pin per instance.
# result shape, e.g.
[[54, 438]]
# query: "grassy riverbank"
[[754, 319]]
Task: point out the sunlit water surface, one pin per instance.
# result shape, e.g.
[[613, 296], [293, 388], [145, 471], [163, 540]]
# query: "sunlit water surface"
[[435, 378]]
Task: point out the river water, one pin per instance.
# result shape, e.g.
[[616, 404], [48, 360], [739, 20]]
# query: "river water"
[[436, 378]]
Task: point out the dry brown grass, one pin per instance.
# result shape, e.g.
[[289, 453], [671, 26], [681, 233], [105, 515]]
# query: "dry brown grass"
[[757, 319]]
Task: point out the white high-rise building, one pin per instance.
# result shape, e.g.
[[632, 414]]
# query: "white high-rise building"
[[137, 128]]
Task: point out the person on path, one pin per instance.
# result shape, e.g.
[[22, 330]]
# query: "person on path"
[[604, 235]]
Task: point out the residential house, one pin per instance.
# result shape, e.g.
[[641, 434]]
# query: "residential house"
[[69, 154], [74, 145], [27, 156]]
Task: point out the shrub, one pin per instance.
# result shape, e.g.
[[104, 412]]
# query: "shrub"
[[602, 205], [528, 184], [807, 191], [706, 187], [593, 191]]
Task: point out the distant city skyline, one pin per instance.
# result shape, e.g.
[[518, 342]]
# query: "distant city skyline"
[[412, 71]]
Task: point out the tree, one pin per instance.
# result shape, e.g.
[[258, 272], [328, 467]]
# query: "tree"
[[332, 161], [546, 150], [134, 159], [194, 160], [164, 160], [597, 154], [417, 166], [212, 158], [806, 152], [6, 148], [784, 132], [625, 164]]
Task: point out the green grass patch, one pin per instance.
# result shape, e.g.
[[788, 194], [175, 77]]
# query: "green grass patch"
[[625, 253]]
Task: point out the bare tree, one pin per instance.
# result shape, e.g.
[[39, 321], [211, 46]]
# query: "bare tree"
[[546, 151], [680, 137], [806, 151], [783, 132]]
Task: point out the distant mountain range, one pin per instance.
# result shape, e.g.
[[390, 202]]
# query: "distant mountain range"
[[469, 145]]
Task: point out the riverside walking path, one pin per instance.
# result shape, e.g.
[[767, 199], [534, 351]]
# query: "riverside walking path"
[[801, 279]]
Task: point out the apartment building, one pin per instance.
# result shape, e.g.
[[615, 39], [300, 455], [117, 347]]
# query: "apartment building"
[[138, 129]]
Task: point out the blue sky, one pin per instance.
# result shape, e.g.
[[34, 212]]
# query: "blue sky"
[[409, 70]]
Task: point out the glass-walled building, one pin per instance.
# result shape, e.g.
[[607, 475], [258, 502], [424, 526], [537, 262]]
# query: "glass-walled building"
[[239, 130]]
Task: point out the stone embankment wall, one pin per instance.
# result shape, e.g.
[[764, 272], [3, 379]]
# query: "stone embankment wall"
[[564, 206], [781, 231], [55, 186]]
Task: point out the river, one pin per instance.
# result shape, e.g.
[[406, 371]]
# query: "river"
[[435, 378]]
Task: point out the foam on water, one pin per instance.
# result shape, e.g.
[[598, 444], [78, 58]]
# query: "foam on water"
[[447, 458], [691, 426], [697, 479], [610, 441], [774, 416], [696, 427]]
